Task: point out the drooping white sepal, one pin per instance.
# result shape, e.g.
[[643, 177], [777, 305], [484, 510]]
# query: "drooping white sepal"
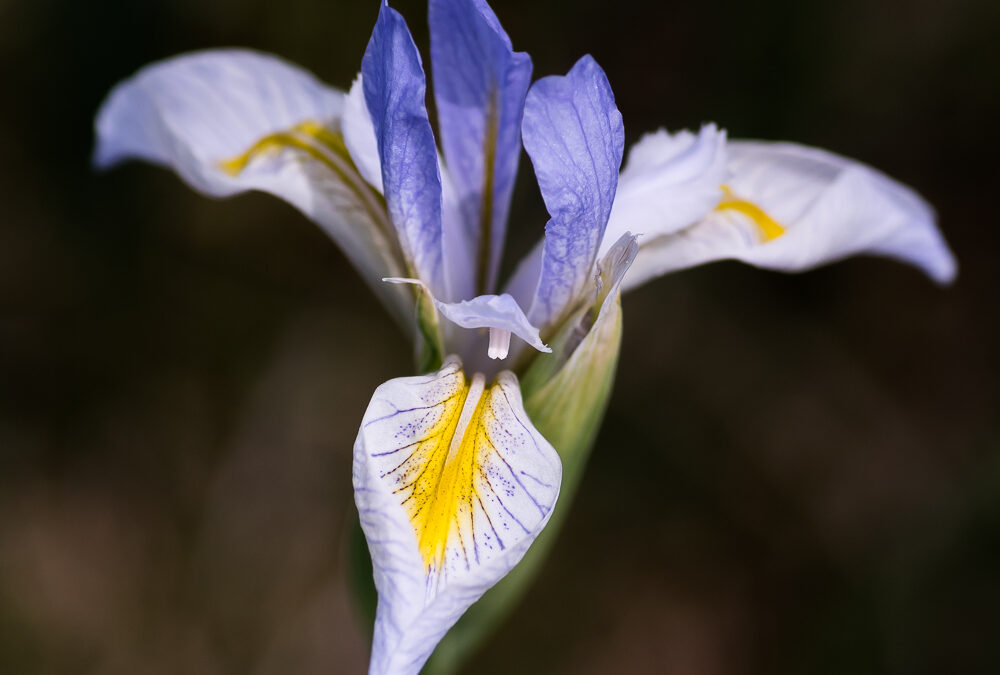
[[791, 208], [232, 120], [452, 483]]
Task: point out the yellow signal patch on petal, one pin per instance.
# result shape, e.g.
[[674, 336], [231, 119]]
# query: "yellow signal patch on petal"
[[318, 143], [453, 483], [440, 477], [309, 136], [769, 228], [444, 479], [471, 474]]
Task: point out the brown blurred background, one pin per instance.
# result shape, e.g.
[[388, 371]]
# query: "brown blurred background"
[[797, 474]]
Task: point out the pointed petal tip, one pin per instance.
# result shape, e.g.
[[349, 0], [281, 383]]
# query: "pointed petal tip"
[[943, 268], [948, 276], [101, 159], [440, 534]]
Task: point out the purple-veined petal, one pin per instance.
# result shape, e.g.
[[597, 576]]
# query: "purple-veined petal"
[[452, 483], [359, 137], [496, 312], [394, 87], [821, 207], [233, 120], [669, 181], [574, 135], [479, 86]]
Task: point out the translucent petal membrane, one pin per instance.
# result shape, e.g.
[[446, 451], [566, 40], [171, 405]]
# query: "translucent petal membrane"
[[452, 483]]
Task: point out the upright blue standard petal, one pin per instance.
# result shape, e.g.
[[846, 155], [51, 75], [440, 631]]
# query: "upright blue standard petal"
[[479, 85], [394, 88], [574, 135]]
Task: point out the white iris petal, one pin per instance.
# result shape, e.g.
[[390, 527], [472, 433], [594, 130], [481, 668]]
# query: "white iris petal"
[[453, 483]]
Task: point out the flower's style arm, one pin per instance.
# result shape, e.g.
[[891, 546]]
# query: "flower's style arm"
[[228, 121], [479, 86], [780, 206]]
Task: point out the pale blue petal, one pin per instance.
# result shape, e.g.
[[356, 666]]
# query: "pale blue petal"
[[479, 86], [573, 133], [394, 87]]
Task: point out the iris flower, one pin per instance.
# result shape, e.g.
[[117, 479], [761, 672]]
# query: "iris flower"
[[458, 470]]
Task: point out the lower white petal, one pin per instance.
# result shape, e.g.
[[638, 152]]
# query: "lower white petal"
[[452, 483]]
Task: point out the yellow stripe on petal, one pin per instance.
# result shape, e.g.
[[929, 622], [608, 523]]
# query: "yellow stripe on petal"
[[326, 147], [436, 477], [769, 228], [443, 481], [310, 137], [453, 483], [314, 142], [470, 473]]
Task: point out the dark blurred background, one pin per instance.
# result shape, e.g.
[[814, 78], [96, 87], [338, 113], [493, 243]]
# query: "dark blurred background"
[[797, 474]]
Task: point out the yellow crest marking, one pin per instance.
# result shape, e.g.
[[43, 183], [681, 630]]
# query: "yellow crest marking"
[[442, 481], [310, 137], [326, 147], [768, 226]]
